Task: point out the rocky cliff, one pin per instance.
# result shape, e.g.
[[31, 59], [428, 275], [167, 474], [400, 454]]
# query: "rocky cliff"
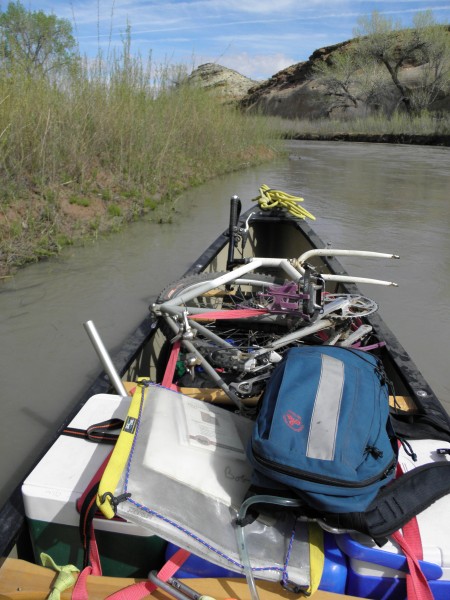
[[230, 86], [290, 93]]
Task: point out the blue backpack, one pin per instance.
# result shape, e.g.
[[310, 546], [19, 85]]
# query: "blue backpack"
[[323, 429], [323, 434], [324, 442]]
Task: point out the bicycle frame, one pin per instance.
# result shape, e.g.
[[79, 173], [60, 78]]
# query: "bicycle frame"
[[293, 268], [185, 327]]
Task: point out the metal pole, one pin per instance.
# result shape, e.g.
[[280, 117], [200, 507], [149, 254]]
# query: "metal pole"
[[105, 358]]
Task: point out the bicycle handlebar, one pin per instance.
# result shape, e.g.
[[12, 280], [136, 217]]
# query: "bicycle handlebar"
[[291, 267], [333, 252]]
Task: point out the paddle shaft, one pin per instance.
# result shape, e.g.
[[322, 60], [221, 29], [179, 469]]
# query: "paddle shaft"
[[104, 357]]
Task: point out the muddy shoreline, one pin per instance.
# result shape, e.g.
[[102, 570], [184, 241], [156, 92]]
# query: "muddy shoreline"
[[382, 138]]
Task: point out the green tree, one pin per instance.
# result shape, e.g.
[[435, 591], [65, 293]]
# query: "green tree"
[[348, 82], [35, 42], [372, 70], [427, 44], [435, 73]]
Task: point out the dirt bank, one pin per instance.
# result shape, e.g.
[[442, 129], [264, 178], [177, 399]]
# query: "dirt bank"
[[382, 138]]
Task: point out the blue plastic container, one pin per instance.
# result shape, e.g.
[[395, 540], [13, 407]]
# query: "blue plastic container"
[[334, 574], [391, 585]]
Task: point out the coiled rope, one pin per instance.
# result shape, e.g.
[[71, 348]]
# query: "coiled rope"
[[269, 199]]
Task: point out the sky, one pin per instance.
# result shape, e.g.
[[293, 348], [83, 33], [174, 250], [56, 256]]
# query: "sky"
[[257, 38]]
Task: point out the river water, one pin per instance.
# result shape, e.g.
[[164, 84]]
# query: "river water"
[[389, 198]]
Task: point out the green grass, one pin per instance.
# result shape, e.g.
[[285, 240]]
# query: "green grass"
[[80, 201], [119, 136], [126, 131], [114, 210]]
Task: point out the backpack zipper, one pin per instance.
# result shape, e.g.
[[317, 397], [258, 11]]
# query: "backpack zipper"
[[293, 472]]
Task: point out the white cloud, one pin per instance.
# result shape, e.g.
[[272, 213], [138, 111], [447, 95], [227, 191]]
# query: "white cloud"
[[261, 7], [254, 66]]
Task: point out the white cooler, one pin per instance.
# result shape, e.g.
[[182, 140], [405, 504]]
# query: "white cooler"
[[375, 572], [52, 489]]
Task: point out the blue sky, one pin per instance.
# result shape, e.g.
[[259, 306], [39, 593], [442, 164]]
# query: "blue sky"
[[255, 37]]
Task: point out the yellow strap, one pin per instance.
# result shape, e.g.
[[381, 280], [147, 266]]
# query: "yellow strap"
[[119, 457], [269, 199], [316, 556], [64, 580]]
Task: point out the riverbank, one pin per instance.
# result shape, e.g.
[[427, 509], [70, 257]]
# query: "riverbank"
[[37, 229], [49, 202], [38, 226], [376, 138], [424, 130]]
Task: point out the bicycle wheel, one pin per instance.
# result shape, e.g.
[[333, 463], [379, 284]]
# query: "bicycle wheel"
[[355, 305], [248, 291], [279, 301]]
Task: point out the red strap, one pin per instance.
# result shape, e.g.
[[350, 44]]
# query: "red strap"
[[80, 589], [411, 533], [136, 591], [144, 588], [170, 367], [410, 542], [416, 583], [239, 313], [94, 568]]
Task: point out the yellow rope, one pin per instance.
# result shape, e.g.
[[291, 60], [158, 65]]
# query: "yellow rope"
[[269, 198], [64, 580]]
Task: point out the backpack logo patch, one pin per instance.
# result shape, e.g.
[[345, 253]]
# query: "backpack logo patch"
[[130, 425], [293, 420]]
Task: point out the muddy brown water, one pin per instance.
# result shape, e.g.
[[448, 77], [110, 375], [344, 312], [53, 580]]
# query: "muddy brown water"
[[365, 196]]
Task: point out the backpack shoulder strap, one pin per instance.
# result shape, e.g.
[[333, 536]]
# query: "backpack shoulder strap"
[[396, 503], [406, 497]]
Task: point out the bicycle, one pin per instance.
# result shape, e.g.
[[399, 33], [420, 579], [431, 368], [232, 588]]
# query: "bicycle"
[[252, 318]]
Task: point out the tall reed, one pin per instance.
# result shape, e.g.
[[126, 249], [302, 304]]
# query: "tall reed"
[[426, 124], [120, 129]]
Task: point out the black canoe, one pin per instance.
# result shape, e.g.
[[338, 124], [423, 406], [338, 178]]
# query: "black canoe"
[[271, 233]]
